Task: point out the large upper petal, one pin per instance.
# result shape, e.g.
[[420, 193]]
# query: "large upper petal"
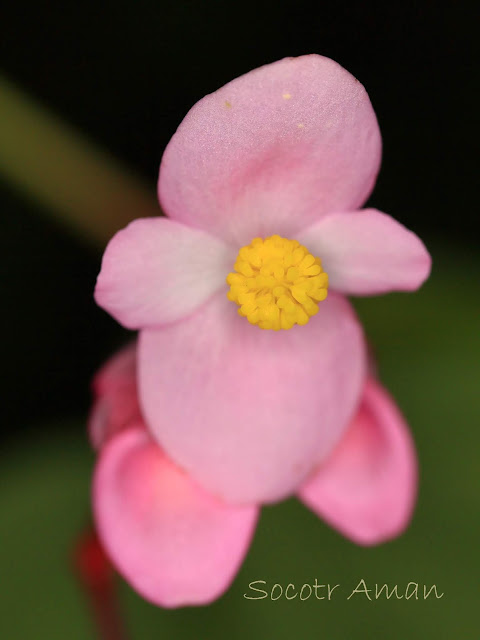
[[272, 151], [175, 543], [367, 488], [249, 412], [156, 271], [368, 252]]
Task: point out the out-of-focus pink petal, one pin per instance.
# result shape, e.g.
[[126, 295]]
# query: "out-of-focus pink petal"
[[273, 151], [156, 271], [116, 400], [176, 544], [367, 488], [249, 413], [368, 252]]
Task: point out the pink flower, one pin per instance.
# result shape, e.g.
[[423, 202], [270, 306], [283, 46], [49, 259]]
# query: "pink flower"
[[179, 545], [290, 150]]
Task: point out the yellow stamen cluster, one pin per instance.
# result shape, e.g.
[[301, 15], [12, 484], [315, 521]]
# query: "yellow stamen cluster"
[[277, 283]]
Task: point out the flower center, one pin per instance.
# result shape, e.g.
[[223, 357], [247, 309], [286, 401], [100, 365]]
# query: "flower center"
[[277, 283]]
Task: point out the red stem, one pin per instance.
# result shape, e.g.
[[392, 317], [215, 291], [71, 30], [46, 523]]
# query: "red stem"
[[97, 577]]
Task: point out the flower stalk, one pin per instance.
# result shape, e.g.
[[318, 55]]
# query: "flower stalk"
[[69, 177], [97, 578]]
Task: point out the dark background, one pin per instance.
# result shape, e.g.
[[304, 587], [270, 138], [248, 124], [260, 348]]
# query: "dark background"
[[124, 74]]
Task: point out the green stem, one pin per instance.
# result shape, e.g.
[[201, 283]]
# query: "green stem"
[[68, 176]]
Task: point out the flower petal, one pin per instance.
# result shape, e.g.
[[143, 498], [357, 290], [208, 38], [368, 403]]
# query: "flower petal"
[[249, 413], [272, 151], [176, 544], [368, 252], [156, 271], [116, 400], [367, 488]]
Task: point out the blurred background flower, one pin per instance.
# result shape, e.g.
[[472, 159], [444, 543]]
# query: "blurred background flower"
[[124, 75]]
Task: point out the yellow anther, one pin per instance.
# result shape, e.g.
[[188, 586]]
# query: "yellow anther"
[[277, 283]]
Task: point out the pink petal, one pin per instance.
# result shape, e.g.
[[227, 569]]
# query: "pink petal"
[[176, 544], [273, 151], [116, 400], [368, 252], [249, 413], [156, 271], [367, 488]]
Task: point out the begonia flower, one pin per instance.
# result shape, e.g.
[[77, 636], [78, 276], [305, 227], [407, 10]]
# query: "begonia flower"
[[262, 184], [177, 544]]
